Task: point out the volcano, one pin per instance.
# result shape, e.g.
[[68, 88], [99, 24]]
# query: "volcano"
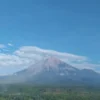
[[53, 71]]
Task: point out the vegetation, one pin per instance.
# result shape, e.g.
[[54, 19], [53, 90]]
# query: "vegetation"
[[29, 92]]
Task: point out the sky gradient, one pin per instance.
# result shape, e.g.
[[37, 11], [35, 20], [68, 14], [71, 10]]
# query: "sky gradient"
[[71, 26]]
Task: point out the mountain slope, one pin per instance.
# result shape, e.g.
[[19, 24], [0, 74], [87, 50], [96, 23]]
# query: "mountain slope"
[[50, 64], [53, 71]]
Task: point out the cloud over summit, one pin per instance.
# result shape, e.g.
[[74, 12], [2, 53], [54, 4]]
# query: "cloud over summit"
[[27, 55]]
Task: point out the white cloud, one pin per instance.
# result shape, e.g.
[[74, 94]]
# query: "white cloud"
[[9, 44], [35, 52], [86, 65], [2, 46], [6, 50], [27, 55]]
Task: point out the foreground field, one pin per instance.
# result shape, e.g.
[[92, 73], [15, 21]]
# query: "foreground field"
[[26, 92]]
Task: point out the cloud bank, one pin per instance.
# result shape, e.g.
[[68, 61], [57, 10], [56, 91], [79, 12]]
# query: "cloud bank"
[[27, 55]]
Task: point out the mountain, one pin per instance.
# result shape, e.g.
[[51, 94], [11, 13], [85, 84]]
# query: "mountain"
[[53, 71], [49, 65]]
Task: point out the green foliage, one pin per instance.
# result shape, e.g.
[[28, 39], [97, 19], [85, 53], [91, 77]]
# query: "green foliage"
[[29, 92]]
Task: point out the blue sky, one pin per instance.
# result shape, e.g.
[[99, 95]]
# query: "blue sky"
[[71, 26]]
